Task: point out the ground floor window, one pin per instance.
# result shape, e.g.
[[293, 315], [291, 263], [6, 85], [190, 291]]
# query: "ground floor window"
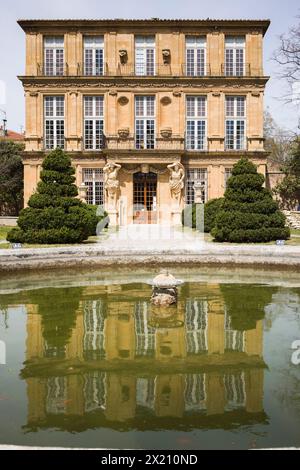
[[227, 174], [94, 180], [194, 175]]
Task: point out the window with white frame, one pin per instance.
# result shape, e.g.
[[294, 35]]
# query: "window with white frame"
[[94, 181], [234, 56], [227, 174], [54, 55], [93, 122], [145, 55], [195, 47], [194, 175], [54, 122], [196, 122], [93, 55], [235, 122], [145, 122]]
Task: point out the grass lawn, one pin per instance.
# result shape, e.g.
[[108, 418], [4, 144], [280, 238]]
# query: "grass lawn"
[[4, 231]]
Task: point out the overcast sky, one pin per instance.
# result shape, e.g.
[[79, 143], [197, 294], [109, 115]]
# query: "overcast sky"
[[12, 40]]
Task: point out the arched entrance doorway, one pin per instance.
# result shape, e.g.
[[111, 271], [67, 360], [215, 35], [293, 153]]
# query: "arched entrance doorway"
[[144, 198]]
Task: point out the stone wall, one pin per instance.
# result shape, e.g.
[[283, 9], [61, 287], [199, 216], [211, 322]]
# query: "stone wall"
[[293, 219]]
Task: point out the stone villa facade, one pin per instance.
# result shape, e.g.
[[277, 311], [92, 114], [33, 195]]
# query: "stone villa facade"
[[145, 108]]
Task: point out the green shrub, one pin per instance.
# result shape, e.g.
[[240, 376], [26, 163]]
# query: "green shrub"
[[248, 213], [54, 214], [211, 208]]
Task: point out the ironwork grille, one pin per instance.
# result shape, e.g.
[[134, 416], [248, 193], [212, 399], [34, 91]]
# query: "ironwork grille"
[[195, 175], [54, 122]]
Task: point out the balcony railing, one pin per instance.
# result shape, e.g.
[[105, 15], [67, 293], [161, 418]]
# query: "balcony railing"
[[195, 70], [53, 70], [149, 70], [157, 142], [234, 144]]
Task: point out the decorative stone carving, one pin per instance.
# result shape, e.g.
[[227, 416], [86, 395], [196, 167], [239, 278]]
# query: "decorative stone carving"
[[123, 100], [145, 168], [112, 92], [166, 133], [198, 191], [111, 183], [166, 53], [123, 133], [165, 100], [123, 56], [176, 181]]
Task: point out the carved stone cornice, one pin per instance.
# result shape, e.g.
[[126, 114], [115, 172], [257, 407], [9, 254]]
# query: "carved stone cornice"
[[137, 82]]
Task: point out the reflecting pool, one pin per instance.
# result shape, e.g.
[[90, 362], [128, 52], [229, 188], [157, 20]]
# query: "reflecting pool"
[[91, 363]]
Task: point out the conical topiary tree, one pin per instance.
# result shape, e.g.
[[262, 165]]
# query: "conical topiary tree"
[[249, 213], [54, 214]]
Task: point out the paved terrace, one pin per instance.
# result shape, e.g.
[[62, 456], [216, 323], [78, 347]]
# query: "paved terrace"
[[149, 245]]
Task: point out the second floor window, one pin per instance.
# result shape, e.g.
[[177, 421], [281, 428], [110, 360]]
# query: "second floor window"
[[235, 111], [234, 56], [93, 122], [54, 112], [195, 56], [145, 122], [54, 55], [145, 55], [196, 122], [93, 55]]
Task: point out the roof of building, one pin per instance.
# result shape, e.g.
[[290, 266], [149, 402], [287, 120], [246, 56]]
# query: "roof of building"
[[29, 24], [12, 135]]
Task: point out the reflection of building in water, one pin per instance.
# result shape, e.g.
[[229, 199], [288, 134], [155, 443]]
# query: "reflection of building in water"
[[117, 367]]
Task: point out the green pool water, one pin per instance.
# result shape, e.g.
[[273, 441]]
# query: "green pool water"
[[91, 363]]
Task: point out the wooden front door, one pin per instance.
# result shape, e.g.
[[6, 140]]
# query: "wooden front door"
[[144, 198]]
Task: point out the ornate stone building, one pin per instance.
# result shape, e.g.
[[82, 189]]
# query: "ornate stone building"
[[145, 108]]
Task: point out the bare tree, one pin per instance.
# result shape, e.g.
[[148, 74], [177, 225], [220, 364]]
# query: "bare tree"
[[288, 57], [277, 141], [288, 54]]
